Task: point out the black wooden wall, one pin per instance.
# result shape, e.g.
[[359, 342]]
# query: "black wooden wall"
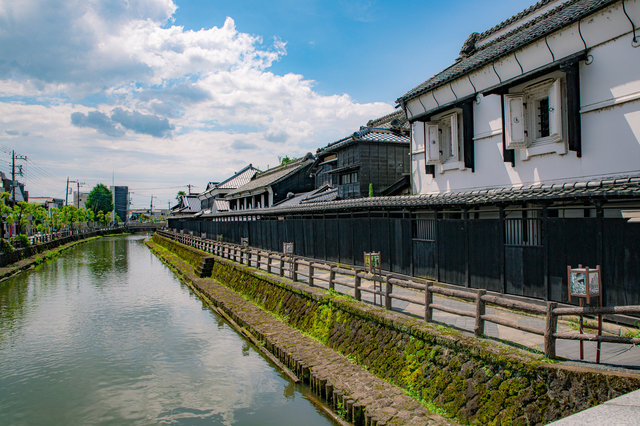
[[465, 252]]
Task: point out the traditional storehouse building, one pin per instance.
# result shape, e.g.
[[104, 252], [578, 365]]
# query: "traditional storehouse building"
[[550, 96], [376, 156], [212, 199], [274, 185]]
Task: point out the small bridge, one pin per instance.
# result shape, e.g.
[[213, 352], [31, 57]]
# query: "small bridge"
[[144, 227]]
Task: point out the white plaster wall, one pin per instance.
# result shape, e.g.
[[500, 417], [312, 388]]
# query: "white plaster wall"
[[610, 101]]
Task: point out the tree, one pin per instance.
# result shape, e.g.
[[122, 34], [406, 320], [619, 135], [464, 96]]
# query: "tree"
[[180, 194], [100, 199]]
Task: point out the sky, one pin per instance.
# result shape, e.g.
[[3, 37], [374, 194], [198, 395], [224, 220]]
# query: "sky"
[[160, 94]]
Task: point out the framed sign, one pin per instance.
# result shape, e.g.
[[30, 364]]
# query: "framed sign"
[[372, 263], [203, 235], [584, 282], [219, 237], [244, 242], [287, 249]]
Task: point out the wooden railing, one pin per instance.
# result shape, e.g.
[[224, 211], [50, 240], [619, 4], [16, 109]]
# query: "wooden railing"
[[45, 238], [384, 284]]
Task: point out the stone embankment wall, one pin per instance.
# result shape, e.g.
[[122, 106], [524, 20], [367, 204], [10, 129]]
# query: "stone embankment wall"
[[477, 381], [23, 253]]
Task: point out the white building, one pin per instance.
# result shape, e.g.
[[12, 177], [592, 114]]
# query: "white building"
[[550, 96]]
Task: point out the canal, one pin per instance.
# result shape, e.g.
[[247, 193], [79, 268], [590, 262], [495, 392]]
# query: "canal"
[[106, 334]]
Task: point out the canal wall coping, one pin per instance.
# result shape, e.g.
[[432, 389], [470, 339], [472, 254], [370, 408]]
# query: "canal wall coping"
[[476, 381]]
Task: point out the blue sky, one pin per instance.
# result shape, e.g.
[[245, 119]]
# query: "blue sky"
[[164, 93]]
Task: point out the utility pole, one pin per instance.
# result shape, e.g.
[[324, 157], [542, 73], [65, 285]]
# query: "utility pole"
[[15, 157], [66, 194], [151, 207], [189, 186], [78, 191]]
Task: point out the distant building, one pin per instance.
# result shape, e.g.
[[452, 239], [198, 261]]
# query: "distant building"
[[47, 202], [120, 200], [376, 155], [81, 200], [274, 185], [212, 199], [15, 188]]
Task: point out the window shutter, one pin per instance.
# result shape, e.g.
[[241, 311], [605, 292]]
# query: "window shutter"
[[417, 134], [467, 135], [555, 110], [433, 140], [514, 121], [454, 137]]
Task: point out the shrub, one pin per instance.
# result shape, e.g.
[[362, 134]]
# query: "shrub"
[[5, 246]]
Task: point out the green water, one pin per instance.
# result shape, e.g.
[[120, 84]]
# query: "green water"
[[107, 335]]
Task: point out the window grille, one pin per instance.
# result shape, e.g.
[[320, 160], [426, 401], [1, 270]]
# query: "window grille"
[[523, 232], [425, 229]]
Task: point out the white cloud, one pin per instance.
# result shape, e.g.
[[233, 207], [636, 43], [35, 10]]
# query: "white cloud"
[[210, 89]]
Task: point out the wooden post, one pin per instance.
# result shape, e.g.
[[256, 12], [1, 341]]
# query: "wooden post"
[[549, 331], [428, 300], [258, 260], [332, 276], [388, 289], [243, 253], [282, 266], [478, 330], [294, 273], [356, 287], [268, 263], [310, 274]]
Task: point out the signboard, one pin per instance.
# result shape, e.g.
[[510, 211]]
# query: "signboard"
[[244, 242], [203, 235], [219, 237], [287, 249], [372, 263], [584, 282]]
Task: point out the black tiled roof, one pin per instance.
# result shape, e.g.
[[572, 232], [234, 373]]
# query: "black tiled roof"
[[530, 31], [625, 188], [369, 134]]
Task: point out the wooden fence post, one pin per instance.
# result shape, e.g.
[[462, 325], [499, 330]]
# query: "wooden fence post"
[[243, 252], [268, 263], [294, 274], [258, 260], [357, 294], [282, 266], [478, 330], [388, 289], [332, 276], [428, 300], [549, 331], [310, 274]]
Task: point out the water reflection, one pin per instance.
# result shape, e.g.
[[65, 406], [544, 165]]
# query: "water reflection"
[[107, 335]]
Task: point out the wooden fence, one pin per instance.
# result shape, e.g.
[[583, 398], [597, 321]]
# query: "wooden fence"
[[384, 285]]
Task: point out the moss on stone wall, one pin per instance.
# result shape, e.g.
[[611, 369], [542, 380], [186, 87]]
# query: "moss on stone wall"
[[477, 381]]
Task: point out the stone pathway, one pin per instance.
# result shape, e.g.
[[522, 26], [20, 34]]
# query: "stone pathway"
[[624, 410]]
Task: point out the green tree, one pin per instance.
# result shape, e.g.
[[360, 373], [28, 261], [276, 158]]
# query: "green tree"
[[20, 215], [180, 194], [100, 199], [286, 160]]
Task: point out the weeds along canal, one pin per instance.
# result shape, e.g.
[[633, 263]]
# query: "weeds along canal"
[[106, 334]]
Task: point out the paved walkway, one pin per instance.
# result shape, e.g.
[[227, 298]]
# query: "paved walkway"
[[624, 410], [611, 353]]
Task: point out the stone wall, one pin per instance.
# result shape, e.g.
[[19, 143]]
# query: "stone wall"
[[477, 381]]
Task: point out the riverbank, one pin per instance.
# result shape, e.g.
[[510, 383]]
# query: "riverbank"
[[43, 252], [358, 393], [478, 381]]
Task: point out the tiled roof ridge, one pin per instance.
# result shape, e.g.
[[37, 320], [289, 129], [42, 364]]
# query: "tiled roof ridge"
[[514, 18], [294, 163], [244, 169], [527, 24], [386, 118], [627, 187], [506, 44]]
